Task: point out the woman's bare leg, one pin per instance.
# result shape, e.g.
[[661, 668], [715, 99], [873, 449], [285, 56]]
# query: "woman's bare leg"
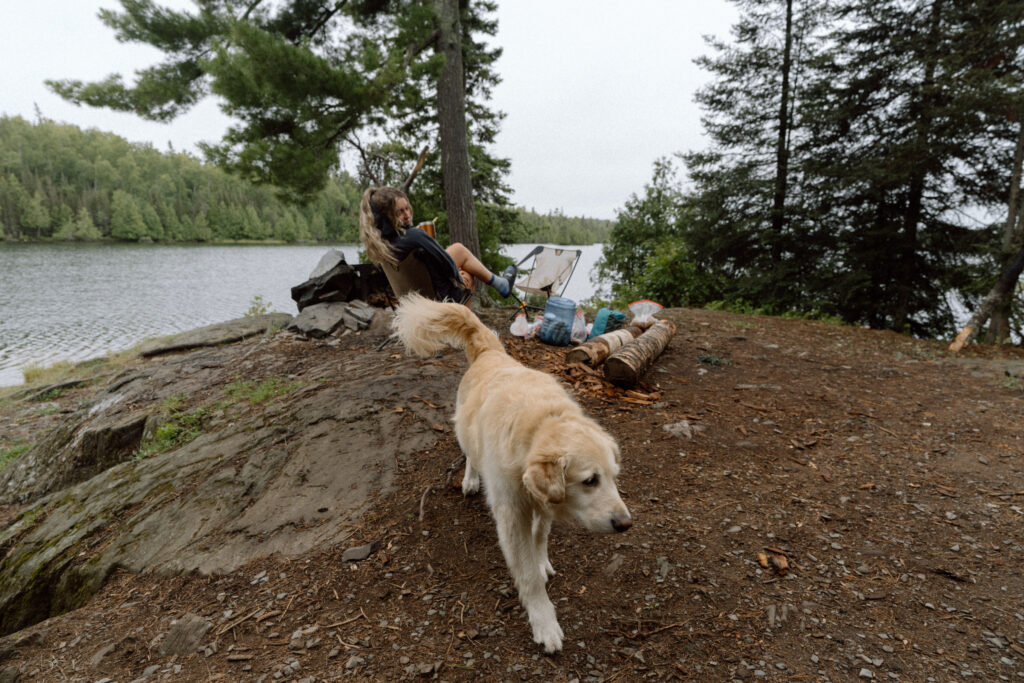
[[468, 263]]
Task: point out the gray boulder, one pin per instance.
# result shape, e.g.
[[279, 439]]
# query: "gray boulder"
[[340, 282], [320, 320]]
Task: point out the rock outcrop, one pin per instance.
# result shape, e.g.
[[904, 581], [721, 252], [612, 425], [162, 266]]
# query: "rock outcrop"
[[281, 473]]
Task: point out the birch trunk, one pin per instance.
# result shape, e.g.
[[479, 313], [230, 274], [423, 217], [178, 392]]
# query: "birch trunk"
[[594, 351], [626, 366]]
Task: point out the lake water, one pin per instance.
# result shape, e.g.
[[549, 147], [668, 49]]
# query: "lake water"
[[73, 302]]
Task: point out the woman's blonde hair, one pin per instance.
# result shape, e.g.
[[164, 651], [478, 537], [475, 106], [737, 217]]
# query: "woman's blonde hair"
[[380, 200]]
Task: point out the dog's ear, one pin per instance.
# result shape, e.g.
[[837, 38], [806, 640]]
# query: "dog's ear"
[[544, 478]]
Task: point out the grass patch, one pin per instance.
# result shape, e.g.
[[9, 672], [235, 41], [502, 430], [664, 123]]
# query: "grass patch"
[[9, 454], [258, 392], [180, 429], [51, 395], [63, 371], [48, 374]]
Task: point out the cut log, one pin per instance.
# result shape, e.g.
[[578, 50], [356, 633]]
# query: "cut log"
[[626, 366], [594, 351]]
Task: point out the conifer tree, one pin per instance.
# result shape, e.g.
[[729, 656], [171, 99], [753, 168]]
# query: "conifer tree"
[[900, 145], [747, 231], [358, 62]]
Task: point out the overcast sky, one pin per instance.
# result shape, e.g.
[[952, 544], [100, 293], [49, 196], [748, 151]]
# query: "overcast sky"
[[594, 90]]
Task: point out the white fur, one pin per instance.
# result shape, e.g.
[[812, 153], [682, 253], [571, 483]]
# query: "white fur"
[[530, 446]]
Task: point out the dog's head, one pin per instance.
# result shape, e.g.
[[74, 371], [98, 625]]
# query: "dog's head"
[[572, 468]]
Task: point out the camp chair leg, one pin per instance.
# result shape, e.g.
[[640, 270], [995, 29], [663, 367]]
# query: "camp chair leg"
[[387, 340]]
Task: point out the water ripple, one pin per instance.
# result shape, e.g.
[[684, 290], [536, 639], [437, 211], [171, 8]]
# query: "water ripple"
[[74, 302]]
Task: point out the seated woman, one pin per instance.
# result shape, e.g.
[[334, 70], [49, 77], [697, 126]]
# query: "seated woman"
[[385, 226]]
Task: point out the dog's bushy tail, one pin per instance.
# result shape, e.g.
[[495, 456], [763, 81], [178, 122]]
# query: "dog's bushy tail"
[[425, 326]]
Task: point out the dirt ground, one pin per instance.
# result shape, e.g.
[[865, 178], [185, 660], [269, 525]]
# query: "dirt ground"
[[810, 502]]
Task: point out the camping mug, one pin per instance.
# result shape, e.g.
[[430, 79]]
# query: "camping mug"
[[428, 228]]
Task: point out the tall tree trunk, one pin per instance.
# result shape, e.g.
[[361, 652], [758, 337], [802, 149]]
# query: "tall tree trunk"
[[999, 330], [451, 116], [996, 304], [1003, 288], [781, 146], [916, 184]]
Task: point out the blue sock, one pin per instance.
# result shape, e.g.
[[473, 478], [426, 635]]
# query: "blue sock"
[[500, 284]]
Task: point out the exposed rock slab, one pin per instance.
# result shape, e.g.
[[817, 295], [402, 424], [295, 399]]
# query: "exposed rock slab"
[[216, 334], [284, 476]]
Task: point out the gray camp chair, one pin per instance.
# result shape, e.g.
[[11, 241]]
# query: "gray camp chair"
[[548, 275], [411, 275]]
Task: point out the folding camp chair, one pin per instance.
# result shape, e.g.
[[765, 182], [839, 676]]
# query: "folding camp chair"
[[549, 275], [411, 275]]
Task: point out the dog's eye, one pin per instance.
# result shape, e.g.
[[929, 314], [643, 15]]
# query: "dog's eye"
[[592, 480]]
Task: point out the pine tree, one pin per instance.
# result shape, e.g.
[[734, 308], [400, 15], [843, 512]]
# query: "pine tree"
[[358, 63], [899, 147], [747, 231]]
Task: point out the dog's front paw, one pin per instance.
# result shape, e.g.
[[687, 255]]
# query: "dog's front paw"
[[548, 634], [470, 484]]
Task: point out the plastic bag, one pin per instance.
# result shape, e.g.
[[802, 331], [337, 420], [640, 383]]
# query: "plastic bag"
[[643, 312], [519, 326], [533, 329], [579, 328]]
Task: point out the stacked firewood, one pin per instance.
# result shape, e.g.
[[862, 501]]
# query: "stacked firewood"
[[627, 353]]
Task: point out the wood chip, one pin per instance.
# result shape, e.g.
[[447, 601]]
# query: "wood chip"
[[780, 563]]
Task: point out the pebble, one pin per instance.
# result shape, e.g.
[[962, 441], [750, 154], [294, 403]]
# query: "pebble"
[[357, 553], [866, 673]]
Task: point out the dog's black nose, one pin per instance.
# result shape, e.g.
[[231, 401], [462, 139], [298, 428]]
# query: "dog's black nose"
[[622, 523]]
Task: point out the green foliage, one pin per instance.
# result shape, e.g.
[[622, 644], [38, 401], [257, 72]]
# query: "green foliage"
[[557, 228], [10, 453], [852, 145], [125, 218], [179, 429], [257, 307], [88, 186], [303, 79], [258, 392], [647, 229]]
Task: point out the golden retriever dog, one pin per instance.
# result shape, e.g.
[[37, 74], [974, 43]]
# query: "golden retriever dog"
[[537, 455]]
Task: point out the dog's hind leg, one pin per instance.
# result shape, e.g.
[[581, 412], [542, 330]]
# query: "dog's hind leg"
[[541, 528], [515, 534], [471, 479]]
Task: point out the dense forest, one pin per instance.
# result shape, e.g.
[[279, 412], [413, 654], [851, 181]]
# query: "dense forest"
[[58, 182], [864, 164]]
